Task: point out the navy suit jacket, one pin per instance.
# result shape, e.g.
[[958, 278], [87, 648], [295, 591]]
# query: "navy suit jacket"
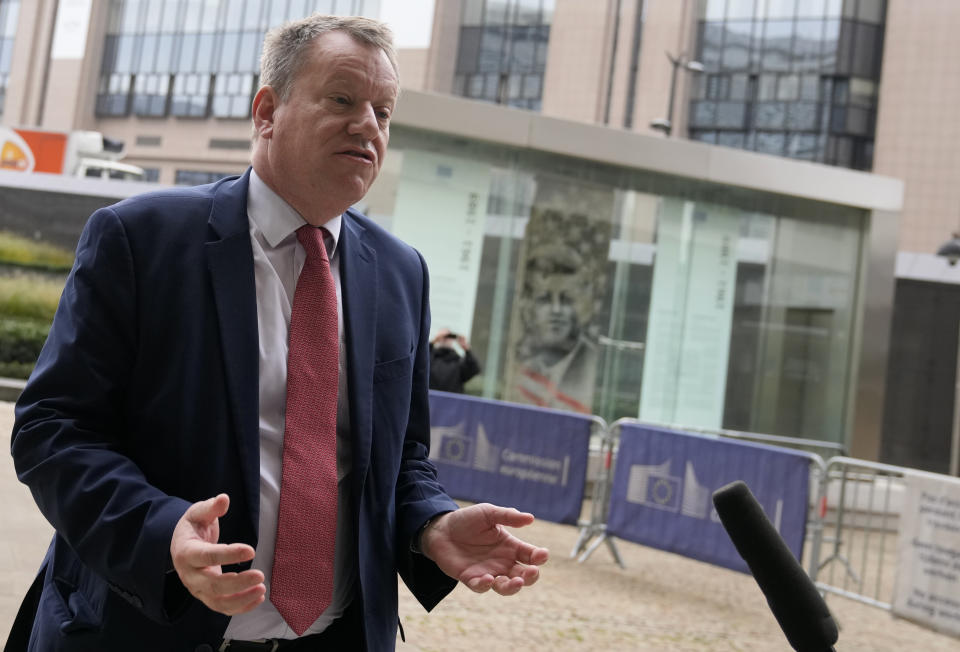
[[145, 400]]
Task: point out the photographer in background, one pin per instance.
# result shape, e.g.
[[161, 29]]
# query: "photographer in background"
[[448, 369]]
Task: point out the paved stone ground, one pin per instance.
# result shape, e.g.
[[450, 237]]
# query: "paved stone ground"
[[659, 602]]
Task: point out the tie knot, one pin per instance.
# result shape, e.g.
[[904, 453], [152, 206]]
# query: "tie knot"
[[312, 238]]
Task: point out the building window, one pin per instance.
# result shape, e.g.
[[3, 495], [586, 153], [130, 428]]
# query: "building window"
[[189, 58], [150, 95], [198, 177], [501, 55], [232, 96], [191, 93], [783, 75], [9, 12]]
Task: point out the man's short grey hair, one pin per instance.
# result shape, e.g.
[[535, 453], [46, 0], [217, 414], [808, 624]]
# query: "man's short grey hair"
[[285, 47]]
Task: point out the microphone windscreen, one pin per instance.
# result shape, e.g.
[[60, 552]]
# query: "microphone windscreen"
[[797, 605]]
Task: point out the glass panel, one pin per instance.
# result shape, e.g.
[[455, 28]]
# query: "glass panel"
[[802, 116], [866, 52], [131, 16], [164, 53], [810, 8], [527, 12], [871, 11], [472, 13], [228, 53], [802, 146], [532, 86], [711, 44], [807, 45], [731, 139], [736, 50], [777, 44], [770, 143], [788, 87], [863, 92], [154, 9], [831, 44], [126, 53], [739, 87], [731, 114], [767, 87], [171, 13], [781, 8], [740, 9], [250, 46], [770, 115], [701, 114], [809, 87], [832, 8], [251, 17], [715, 9], [205, 53], [491, 50], [496, 12], [468, 49], [193, 15]]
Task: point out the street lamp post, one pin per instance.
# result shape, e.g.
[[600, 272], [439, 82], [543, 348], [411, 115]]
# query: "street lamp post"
[[666, 124]]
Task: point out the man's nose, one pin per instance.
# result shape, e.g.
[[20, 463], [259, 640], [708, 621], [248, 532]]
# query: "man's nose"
[[364, 122]]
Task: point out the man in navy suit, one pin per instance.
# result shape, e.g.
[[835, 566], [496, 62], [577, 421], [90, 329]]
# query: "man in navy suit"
[[151, 430]]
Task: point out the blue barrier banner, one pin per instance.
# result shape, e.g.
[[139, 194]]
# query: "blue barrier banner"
[[531, 458], [664, 481]]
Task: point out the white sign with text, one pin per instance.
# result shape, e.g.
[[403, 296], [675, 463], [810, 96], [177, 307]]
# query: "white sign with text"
[[928, 553]]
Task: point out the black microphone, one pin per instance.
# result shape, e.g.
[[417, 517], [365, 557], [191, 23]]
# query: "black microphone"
[[797, 605]]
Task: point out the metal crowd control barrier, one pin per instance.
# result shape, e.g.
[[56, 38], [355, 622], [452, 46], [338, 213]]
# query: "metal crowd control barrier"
[[658, 492], [531, 458], [593, 531], [859, 504]]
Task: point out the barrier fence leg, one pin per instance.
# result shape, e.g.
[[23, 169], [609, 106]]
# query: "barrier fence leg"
[[838, 534], [600, 510]]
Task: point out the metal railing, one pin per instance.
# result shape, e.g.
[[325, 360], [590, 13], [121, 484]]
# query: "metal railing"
[[859, 504]]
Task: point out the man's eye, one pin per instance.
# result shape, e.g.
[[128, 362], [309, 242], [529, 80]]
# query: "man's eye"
[[339, 99]]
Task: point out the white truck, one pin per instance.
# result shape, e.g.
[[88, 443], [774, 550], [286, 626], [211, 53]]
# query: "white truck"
[[74, 153]]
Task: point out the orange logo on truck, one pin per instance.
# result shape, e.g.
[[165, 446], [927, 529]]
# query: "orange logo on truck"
[[15, 153], [13, 157]]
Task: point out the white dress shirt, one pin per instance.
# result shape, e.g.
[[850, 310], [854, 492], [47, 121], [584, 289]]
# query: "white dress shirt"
[[278, 258]]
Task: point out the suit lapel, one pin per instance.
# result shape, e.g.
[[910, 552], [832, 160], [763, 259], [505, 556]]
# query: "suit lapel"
[[230, 261], [358, 270]]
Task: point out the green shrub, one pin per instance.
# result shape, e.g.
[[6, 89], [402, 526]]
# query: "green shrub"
[[24, 252], [21, 340], [20, 370], [30, 296]]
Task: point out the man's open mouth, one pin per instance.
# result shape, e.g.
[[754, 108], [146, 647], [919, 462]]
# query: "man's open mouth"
[[359, 153]]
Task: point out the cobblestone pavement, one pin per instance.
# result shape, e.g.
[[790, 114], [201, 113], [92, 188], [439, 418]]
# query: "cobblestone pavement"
[[659, 602]]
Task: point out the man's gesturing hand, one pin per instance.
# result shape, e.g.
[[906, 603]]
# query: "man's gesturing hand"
[[197, 558], [473, 546]]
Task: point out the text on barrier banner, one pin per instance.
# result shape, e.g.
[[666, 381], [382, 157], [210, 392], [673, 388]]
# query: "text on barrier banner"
[[530, 458], [664, 481]]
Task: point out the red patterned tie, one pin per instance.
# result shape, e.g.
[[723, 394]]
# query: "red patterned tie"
[[302, 581]]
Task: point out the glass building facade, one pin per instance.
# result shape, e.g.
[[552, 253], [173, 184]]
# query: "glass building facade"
[[795, 78], [9, 12], [623, 292], [194, 58], [502, 51]]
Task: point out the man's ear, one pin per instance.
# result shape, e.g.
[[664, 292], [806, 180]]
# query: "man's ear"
[[265, 104]]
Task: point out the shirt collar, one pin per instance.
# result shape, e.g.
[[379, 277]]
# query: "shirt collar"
[[277, 219]]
